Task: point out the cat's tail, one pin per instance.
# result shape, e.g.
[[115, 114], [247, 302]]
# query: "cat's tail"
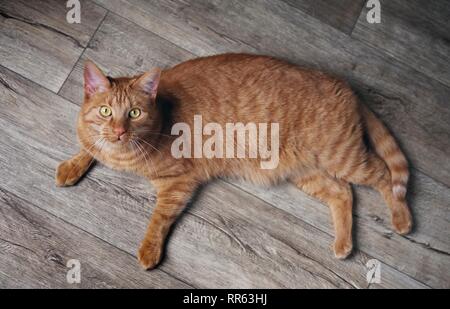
[[387, 148]]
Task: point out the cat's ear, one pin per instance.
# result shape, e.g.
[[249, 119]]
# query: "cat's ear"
[[94, 79], [149, 82]]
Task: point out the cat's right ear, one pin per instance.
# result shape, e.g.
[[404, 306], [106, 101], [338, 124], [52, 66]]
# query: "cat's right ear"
[[94, 79], [149, 82]]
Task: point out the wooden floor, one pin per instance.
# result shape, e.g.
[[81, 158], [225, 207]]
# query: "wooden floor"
[[235, 235]]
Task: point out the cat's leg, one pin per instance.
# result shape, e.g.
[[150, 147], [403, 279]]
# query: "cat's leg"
[[374, 173], [70, 171], [337, 194], [172, 197]]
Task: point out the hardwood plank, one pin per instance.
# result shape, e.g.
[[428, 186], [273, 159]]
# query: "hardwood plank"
[[104, 39], [281, 228], [432, 226], [340, 14], [169, 20], [413, 105], [8, 282], [37, 41], [414, 32], [218, 242], [119, 53], [36, 247], [197, 236], [428, 200], [424, 254]]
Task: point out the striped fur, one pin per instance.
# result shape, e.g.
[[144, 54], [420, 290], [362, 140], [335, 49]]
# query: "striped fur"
[[322, 128], [386, 147]]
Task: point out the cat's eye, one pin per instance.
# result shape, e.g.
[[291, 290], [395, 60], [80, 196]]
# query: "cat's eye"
[[135, 112], [105, 111]]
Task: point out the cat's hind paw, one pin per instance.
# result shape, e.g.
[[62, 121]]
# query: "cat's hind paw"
[[149, 255], [402, 220]]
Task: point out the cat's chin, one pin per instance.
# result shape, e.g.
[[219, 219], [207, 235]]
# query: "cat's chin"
[[118, 145]]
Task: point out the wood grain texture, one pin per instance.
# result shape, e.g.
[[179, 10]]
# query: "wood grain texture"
[[353, 58], [235, 234], [413, 105], [425, 254], [417, 33], [37, 41], [119, 53], [36, 246], [182, 22], [340, 14], [228, 238]]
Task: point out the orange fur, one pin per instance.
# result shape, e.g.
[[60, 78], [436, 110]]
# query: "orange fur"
[[322, 127]]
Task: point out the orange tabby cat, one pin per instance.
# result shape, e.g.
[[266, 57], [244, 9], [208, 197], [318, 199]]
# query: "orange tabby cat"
[[126, 124]]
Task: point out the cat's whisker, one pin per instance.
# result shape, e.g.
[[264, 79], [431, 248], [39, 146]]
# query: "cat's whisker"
[[154, 133], [144, 131], [103, 141], [139, 152], [83, 156], [100, 135], [141, 140], [93, 146], [90, 137], [145, 156], [100, 148]]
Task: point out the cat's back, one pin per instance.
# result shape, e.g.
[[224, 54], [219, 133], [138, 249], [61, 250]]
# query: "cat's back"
[[224, 62], [244, 73], [235, 67], [251, 88]]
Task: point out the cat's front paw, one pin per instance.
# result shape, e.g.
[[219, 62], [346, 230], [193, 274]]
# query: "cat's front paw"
[[342, 249], [149, 255], [67, 174]]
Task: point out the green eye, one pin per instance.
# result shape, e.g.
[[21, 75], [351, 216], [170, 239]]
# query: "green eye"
[[135, 112], [105, 111]]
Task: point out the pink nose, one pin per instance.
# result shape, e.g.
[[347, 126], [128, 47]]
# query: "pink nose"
[[120, 131]]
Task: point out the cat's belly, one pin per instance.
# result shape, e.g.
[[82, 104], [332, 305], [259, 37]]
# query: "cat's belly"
[[251, 171]]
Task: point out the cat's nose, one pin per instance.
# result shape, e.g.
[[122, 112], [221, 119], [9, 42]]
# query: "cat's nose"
[[120, 131]]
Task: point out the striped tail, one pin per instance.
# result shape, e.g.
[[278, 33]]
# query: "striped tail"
[[386, 147]]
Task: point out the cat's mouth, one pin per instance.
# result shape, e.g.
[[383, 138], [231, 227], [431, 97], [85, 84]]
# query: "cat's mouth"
[[118, 140], [116, 147]]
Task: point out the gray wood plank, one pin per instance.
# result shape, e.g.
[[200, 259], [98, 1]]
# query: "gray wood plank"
[[414, 32], [37, 41], [341, 14], [432, 226], [36, 246], [73, 90], [424, 254], [413, 105], [169, 20], [119, 53], [226, 239]]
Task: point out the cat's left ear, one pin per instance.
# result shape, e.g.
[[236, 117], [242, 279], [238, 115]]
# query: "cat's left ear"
[[149, 82]]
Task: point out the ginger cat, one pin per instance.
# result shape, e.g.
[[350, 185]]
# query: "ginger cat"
[[125, 123]]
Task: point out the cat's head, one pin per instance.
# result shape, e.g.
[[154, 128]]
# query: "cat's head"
[[117, 112]]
